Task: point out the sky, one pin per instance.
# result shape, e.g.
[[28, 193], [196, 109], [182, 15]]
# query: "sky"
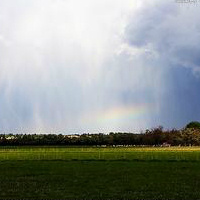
[[72, 66]]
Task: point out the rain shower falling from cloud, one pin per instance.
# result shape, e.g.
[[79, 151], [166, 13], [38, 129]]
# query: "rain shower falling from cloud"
[[70, 66]]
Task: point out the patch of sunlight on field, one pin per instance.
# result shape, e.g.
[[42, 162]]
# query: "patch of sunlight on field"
[[100, 153]]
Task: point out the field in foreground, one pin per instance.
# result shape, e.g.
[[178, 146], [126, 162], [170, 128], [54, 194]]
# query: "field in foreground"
[[99, 173]]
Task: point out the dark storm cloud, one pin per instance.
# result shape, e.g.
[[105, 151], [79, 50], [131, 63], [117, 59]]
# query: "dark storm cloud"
[[172, 32], [147, 23]]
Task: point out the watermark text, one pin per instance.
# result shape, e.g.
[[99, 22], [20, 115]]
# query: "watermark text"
[[187, 1]]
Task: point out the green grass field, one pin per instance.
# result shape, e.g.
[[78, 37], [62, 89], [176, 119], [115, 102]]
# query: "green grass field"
[[99, 173]]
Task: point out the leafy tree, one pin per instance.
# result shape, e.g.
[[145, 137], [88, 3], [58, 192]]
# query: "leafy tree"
[[193, 124]]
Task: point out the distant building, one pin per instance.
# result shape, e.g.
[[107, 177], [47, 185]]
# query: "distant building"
[[10, 137], [73, 136], [165, 144]]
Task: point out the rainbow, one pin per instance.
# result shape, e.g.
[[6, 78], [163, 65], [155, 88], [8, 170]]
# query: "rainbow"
[[118, 113]]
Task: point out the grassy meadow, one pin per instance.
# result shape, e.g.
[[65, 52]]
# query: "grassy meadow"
[[99, 172]]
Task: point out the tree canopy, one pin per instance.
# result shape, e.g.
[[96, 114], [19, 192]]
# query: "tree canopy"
[[156, 136], [193, 124]]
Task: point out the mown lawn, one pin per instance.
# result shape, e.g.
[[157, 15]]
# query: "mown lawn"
[[92, 178]]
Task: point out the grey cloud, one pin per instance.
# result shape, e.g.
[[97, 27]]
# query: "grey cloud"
[[172, 30], [147, 23]]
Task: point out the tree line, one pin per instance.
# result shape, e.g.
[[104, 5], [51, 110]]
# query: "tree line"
[[190, 135]]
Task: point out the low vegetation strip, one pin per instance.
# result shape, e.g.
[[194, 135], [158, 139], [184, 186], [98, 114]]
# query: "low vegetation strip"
[[108, 153]]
